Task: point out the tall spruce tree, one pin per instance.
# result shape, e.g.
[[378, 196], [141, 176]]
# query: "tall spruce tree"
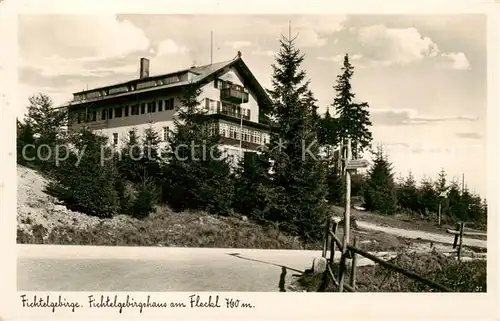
[[48, 127], [353, 117], [299, 175], [380, 189], [196, 175]]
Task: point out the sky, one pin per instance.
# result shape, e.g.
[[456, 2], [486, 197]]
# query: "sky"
[[423, 76]]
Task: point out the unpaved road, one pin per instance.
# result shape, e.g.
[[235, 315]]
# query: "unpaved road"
[[415, 234]]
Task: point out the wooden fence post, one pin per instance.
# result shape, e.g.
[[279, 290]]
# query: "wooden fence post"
[[456, 236], [439, 213], [327, 235], [332, 242], [354, 265], [460, 241]]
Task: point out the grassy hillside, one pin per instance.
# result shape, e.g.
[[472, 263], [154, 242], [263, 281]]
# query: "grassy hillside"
[[41, 220]]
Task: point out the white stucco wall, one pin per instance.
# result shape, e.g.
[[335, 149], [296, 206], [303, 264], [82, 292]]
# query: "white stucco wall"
[[158, 120]]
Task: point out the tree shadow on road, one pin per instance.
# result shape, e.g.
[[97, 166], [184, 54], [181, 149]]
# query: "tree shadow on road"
[[284, 269]]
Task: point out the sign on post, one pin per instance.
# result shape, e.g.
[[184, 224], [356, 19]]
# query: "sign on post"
[[357, 163]]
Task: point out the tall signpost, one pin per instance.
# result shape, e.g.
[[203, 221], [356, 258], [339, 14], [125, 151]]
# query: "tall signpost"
[[350, 164]]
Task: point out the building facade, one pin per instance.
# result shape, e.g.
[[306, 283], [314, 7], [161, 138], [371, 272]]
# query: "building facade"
[[230, 94]]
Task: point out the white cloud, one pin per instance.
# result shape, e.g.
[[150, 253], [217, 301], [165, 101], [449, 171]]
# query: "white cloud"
[[323, 24], [310, 38], [387, 46], [238, 44], [455, 60], [398, 117], [54, 46], [170, 47], [79, 36], [336, 58], [261, 52], [384, 47]]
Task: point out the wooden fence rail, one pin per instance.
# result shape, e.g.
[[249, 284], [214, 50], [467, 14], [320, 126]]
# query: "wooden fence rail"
[[347, 250], [332, 241]]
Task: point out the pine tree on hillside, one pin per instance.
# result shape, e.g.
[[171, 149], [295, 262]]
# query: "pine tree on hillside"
[[296, 167], [380, 188], [328, 130], [47, 122], [129, 155], [454, 201], [408, 193], [89, 184], [252, 186], [353, 118], [151, 155], [196, 176], [48, 125], [25, 137], [441, 183], [311, 102], [428, 197]]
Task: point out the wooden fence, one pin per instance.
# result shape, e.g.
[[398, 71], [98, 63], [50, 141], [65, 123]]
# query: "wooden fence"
[[459, 234], [352, 251], [331, 240]]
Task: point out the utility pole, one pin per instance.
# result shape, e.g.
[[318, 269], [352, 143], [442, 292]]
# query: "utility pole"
[[211, 46], [463, 183], [241, 127]]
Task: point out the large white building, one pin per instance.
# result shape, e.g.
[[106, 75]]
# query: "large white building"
[[229, 93]]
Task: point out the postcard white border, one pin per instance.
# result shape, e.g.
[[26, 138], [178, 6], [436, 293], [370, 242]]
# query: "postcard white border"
[[269, 306]]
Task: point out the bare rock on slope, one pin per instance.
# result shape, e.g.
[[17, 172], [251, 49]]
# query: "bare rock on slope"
[[36, 207]]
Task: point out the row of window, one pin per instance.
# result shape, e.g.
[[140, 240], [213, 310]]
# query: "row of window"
[[125, 111], [127, 88], [248, 135], [165, 133], [225, 130]]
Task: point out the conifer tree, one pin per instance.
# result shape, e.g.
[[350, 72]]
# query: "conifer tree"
[[196, 175], [428, 197], [380, 191], [25, 137], [48, 127], [88, 184], [441, 183], [151, 155], [408, 193], [353, 117], [128, 158], [295, 149], [252, 186]]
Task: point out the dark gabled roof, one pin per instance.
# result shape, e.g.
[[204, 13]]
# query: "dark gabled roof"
[[202, 74]]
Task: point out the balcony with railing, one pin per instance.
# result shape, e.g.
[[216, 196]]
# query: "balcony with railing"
[[234, 95], [233, 114]]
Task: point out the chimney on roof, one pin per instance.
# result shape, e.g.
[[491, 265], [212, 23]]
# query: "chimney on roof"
[[239, 54], [144, 68]]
